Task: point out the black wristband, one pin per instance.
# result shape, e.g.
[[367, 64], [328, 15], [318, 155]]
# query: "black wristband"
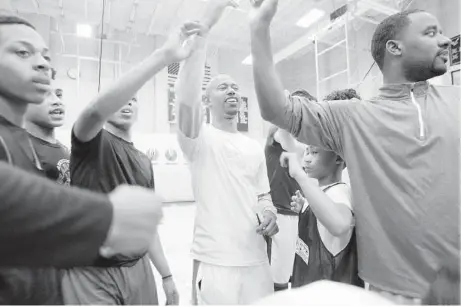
[[166, 277]]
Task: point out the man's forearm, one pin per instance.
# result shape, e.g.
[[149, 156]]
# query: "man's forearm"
[[157, 256], [189, 90], [269, 88], [45, 224], [119, 93], [288, 142], [190, 78]]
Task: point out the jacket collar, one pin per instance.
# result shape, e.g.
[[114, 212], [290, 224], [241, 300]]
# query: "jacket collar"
[[403, 90]]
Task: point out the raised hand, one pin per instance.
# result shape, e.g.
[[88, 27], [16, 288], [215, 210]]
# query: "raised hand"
[[297, 202], [291, 161], [262, 12], [136, 213], [214, 11], [178, 45]]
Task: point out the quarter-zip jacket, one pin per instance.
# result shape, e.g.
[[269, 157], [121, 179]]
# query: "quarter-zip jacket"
[[402, 153]]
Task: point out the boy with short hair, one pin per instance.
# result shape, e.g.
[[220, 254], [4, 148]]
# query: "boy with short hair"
[[326, 246], [41, 122]]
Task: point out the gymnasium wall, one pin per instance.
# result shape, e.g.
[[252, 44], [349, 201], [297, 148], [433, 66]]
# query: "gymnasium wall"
[[299, 70]]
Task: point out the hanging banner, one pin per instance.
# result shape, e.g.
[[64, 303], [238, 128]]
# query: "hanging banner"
[[172, 106], [454, 51], [242, 124]]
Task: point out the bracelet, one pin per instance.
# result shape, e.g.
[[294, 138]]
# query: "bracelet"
[[166, 277]]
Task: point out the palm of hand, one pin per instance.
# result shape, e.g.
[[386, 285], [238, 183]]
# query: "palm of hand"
[[215, 9], [297, 203], [262, 10], [177, 47]]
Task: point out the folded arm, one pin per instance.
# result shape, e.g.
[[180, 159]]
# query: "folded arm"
[[335, 215], [289, 143]]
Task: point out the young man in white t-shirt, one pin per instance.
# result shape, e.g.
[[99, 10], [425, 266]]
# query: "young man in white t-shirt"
[[326, 246], [230, 183]]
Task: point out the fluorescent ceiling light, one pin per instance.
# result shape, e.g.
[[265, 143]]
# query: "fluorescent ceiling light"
[[248, 60], [310, 18], [84, 30]]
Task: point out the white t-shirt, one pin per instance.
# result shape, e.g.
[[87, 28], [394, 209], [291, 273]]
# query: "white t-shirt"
[[228, 173], [325, 293], [339, 193]]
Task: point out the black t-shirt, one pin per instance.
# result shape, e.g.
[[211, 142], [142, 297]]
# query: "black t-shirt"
[[104, 163], [25, 286], [16, 147], [54, 158], [283, 187]]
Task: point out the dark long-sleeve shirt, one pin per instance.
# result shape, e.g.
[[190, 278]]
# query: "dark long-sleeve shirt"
[[44, 224]]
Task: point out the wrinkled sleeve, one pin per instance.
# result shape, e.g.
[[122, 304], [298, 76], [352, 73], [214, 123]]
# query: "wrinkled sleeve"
[[45, 224], [314, 123]]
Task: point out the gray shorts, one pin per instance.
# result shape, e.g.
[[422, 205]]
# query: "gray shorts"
[[110, 286]]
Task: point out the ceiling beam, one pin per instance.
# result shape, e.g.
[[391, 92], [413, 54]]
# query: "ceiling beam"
[[61, 37], [134, 9], [362, 7], [152, 20], [106, 41], [36, 4], [109, 11]]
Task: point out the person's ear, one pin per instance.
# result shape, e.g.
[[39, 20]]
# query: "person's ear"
[[394, 47]]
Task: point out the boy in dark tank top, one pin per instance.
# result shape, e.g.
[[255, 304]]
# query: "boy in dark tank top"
[[326, 246]]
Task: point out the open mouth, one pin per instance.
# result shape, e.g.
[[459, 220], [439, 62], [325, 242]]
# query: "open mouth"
[[57, 112], [232, 101], [126, 111], [444, 55]]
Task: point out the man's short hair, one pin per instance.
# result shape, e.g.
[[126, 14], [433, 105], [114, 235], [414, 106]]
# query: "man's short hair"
[[303, 93], [9, 19], [346, 94], [388, 30]]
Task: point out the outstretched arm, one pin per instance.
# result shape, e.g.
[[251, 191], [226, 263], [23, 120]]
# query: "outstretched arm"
[[110, 100], [310, 122], [189, 90], [269, 88], [45, 224], [189, 84]]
